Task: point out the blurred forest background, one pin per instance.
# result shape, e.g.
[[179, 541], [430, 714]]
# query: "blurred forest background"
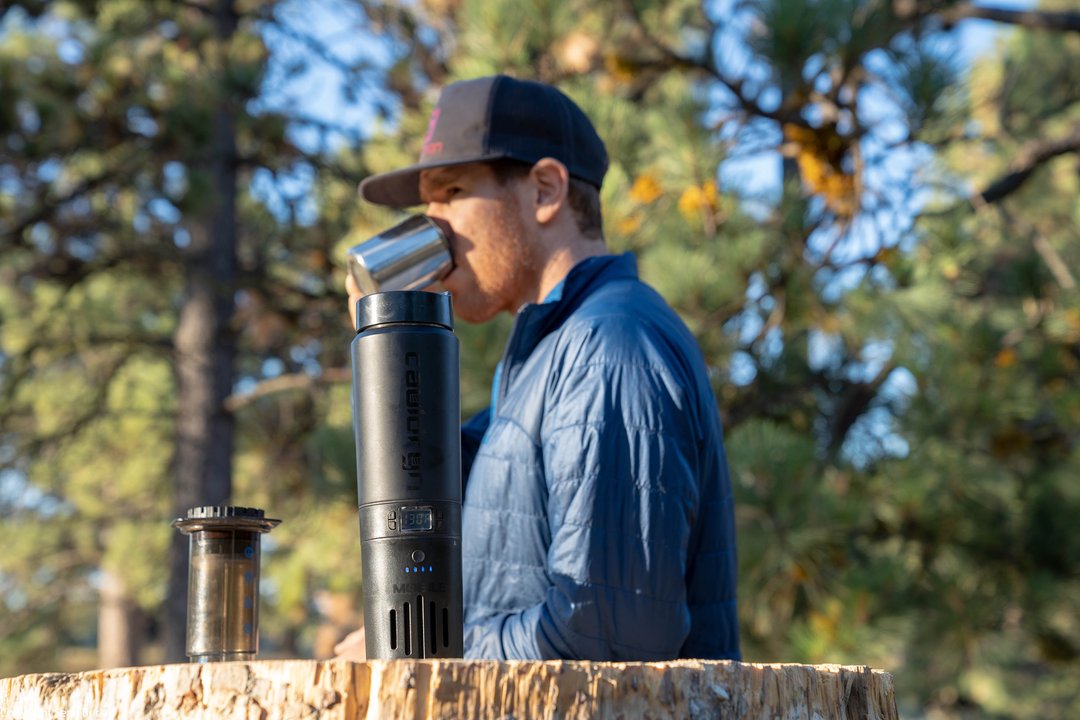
[[875, 241]]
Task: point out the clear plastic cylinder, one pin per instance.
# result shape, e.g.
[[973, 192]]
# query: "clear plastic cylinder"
[[223, 581]]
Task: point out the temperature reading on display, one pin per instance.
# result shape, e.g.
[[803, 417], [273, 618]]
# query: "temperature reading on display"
[[415, 519]]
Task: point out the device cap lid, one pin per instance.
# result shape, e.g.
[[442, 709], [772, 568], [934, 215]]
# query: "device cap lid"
[[404, 306]]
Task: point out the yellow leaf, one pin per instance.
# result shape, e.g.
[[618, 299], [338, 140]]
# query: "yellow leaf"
[[619, 68], [712, 196], [646, 189], [690, 203], [1006, 358], [798, 134], [820, 154], [696, 200]]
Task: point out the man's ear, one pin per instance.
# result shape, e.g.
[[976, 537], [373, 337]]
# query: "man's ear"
[[551, 182]]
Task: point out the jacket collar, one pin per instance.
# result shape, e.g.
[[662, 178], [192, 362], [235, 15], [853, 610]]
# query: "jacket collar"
[[535, 321], [591, 273]]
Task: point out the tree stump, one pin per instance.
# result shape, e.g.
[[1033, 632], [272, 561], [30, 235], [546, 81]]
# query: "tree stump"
[[456, 689]]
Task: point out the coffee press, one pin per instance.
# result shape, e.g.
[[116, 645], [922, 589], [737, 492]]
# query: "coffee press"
[[407, 426], [223, 581]]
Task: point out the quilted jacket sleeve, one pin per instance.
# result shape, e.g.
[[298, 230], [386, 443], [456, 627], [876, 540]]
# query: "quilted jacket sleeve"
[[472, 434], [619, 464]]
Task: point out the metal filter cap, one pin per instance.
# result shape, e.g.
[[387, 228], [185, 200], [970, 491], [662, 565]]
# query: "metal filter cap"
[[224, 516], [404, 306]]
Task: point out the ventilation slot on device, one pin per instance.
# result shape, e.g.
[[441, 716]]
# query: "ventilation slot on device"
[[420, 625], [432, 631]]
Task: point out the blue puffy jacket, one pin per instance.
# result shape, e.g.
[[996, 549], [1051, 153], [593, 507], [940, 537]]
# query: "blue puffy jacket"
[[597, 519]]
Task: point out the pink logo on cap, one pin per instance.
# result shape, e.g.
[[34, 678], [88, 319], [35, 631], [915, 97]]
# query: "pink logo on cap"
[[431, 148]]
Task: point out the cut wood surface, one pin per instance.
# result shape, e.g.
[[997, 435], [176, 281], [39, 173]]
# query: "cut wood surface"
[[458, 689]]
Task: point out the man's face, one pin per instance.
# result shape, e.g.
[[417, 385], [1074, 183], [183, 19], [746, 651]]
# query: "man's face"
[[496, 264]]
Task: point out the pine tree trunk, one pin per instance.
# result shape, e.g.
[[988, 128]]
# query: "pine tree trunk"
[[460, 689], [205, 345], [120, 627]]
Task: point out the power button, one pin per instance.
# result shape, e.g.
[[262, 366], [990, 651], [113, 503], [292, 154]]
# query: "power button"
[[418, 556]]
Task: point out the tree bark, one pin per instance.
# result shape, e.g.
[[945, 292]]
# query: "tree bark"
[[461, 689], [120, 627], [205, 345]]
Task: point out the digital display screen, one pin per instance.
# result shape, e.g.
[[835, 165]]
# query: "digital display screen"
[[416, 519]]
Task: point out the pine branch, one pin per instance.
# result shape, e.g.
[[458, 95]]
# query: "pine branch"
[[47, 599], [853, 405], [1034, 19], [286, 383], [49, 206], [34, 445], [201, 7], [671, 59], [761, 400], [1030, 158], [1050, 256]]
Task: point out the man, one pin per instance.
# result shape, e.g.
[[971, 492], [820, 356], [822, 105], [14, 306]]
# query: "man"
[[597, 518]]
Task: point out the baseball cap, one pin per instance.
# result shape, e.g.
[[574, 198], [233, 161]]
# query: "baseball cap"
[[492, 118]]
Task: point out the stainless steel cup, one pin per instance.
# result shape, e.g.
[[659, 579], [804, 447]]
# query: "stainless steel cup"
[[409, 256]]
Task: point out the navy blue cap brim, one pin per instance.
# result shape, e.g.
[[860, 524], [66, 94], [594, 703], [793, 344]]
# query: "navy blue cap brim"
[[401, 188]]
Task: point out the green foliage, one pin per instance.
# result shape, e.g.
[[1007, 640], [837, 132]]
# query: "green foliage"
[[899, 495], [112, 120], [901, 403]]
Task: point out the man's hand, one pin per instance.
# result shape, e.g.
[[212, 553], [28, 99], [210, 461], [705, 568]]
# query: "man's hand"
[[353, 647], [354, 295]]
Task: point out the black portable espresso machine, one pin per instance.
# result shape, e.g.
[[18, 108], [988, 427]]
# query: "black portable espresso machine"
[[407, 425]]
